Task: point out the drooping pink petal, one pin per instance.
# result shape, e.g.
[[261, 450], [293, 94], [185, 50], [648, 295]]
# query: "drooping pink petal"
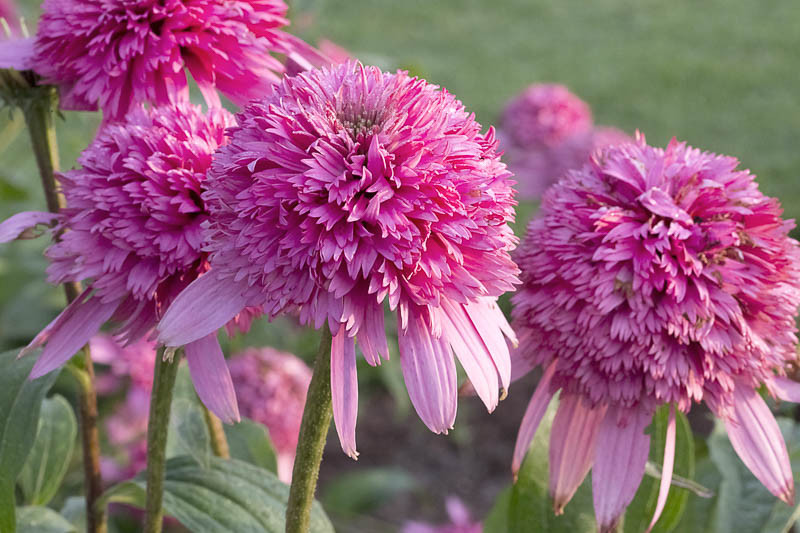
[[758, 441], [65, 337], [471, 351], [430, 374], [19, 225], [202, 308], [533, 416], [372, 337], [491, 325], [619, 461], [786, 389], [666, 468], [572, 446], [17, 53], [211, 377], [344, 390]]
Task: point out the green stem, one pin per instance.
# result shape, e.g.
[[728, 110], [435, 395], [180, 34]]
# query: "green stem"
[[39, 118], [219, 443], [157, 425], [313, 433]]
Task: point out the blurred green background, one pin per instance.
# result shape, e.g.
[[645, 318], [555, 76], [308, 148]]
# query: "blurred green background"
[[720, 74]]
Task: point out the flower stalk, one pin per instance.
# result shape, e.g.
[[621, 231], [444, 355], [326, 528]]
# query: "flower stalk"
[[165, 373], [311, 443], [39, 113], [219, 443]]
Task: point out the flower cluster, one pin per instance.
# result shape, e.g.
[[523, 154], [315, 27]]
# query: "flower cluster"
[[347, 188], [655, 277], [460, 521]]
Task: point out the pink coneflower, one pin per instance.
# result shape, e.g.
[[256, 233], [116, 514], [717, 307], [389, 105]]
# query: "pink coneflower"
[[655, 277], [132, 229], [271, 389], [347, 188], [545, 114], [8, 11], [460, 521], [133, 362], [117, 53]]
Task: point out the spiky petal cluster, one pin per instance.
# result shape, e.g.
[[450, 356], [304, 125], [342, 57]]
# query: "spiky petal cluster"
[[132, 231], [271, 389], [460, 521], [655, 277], [115, 53], [347, 188]]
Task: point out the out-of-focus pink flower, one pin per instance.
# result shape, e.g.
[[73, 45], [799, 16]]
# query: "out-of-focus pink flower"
[[118, 53], [334, 52], [347, 188], [271, 389], [132, 227], [134, 362], [604, 136], [8, 11], [655, 277], [460, 521], [545, 114]]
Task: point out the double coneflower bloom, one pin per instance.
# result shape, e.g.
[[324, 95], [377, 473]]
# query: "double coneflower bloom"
[[655, 277]]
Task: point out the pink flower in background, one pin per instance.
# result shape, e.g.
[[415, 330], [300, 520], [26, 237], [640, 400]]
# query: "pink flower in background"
[[545, 114], [271, 389], [132, 228], [8, 11], [126, 427], [460, 521], [336, 53], [655, 277], [117, 53], [545, 132], [347, 188]]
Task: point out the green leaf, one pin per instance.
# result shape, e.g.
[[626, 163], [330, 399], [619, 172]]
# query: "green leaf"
[[49, 459], [742, 503], [249, 442], [530, 507], [20, 403], [497, 519], [188, 434], [36, 519], [230, 495], [641, 509], [362, 491], [74, 510]]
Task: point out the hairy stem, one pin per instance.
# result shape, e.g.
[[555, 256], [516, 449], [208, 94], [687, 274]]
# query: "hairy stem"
[[313, 433], [39, 116], [219, 443], [166, 370]]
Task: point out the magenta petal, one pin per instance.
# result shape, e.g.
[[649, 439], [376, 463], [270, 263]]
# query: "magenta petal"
[[202, 308], [372, 337], [572, 444], [17, 53], [471, 351], [786, 389], [430, 374], [65, 336], [344, 390], [211, 378], [666, 468], [757, 439], [619, 461], [16, 226], [533, 416], [491, 325]]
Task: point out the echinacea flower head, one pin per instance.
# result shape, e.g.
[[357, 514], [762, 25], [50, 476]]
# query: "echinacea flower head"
[[460, 521], [545, 114], [132, 231], [655, 277], [271, 389], [347, 188], [117, 53]]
